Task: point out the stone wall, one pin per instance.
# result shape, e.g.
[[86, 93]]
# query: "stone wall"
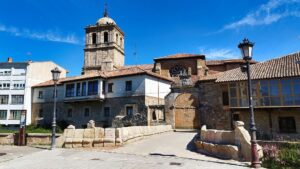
[[267, 122], [233, 144], [213, 114], [99, 137], [39, 138], [194, 64], [31, 138], [7, 138]]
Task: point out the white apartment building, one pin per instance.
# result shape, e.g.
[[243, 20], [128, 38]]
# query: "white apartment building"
[[16, 79]]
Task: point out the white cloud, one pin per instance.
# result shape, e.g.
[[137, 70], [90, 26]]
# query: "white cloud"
[[49, 35], [268, 13], [219, 53]]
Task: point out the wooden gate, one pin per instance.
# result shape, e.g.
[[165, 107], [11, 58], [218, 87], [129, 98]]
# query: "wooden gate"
[[186, 112]]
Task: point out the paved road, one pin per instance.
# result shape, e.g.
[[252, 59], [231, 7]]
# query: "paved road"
[[176, 144], [81, 159], [164, 151]]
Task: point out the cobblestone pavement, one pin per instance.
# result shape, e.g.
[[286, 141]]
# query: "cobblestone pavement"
[[82, 159]]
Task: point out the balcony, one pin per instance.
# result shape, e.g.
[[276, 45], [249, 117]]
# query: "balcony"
[[83, 98]]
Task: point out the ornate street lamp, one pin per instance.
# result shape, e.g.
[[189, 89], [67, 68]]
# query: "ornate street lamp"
[[246, 48], [55, 76]]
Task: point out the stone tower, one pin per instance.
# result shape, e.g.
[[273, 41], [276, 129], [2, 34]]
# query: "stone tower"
[[104, 46]]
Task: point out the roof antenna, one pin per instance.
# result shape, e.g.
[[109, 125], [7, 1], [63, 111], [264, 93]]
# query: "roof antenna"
[[105, 14]]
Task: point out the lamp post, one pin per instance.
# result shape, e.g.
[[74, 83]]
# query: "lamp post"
[[55, 76], [246, 48]]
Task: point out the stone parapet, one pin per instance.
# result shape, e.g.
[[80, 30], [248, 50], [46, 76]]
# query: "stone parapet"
[[234, 144], [98, 137], [6, 138]]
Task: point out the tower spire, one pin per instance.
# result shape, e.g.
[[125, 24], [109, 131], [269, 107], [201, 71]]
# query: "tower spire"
[[105, 14]]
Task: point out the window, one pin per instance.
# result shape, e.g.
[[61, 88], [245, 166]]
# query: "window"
[[94, 38], [176, 70], [15, 115], [154, 115], [281, 92], [106, 112], [110, 87], [70, 90], [70, 113], [121, 42], [3, 114], [86, 112], [17, 99], [78, 89], [105, 37], [40, 95], [3, 99], [4, 85], [117, 39], [83, 89], [41, 114], [93, 87], [128, 85], [233, 94], [103, 87], [5, 73], [129, 110], [18, 85], [287, 125], [225, 98]]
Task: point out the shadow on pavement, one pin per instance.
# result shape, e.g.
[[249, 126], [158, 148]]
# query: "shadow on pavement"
[[159, 154]]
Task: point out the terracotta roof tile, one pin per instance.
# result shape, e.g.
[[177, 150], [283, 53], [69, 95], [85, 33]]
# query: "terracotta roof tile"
[[180, 56], [121, 72], [221, 62], [285, 66]]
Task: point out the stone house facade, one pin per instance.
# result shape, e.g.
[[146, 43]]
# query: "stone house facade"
[[102, 98], [276, 96]]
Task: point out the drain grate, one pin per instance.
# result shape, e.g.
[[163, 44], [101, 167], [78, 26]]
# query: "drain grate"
[[175, 163], [2, 154]]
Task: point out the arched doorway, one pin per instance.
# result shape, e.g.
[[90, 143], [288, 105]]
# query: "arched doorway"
[[186, 112]]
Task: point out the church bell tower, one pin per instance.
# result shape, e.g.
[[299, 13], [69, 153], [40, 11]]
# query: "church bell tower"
[[104, 46]]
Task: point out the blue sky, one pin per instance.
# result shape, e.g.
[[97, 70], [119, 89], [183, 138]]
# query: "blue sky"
[[54, 29]]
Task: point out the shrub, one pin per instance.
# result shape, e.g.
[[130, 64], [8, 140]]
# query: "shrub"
[[290, 157], [287, 156]]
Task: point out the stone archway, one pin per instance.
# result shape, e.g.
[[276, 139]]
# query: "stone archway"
[[186, 112]]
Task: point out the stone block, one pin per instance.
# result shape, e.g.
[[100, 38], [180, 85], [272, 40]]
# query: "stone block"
[[99, 137], [88, 137], [109, 137], [78, 137], [68, 134]]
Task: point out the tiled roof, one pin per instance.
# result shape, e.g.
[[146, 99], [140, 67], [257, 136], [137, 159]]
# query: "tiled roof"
[[285, 66], [143, 66], [210, 77], [121, 72], [180, 56], [220, 62]]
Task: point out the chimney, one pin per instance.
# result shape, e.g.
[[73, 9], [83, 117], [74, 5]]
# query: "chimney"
[[9, 60]]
